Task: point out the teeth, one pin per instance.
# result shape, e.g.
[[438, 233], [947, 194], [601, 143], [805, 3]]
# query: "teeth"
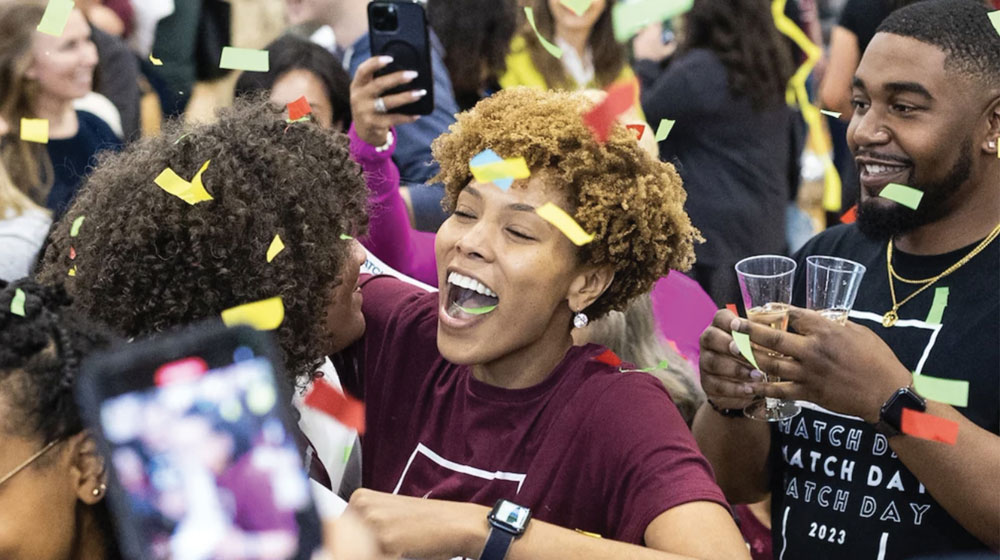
[[470, 284], [872, 169]]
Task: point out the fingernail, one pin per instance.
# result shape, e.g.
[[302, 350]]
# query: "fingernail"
[[419, 93], [409, 75], [734, 325], [748, 389], [756, 375], [734, 349], [385, 60]]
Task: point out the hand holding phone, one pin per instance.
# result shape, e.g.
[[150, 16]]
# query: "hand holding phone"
[[398, 29], [372, 125]]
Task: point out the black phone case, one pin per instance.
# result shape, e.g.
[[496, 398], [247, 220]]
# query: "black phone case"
[[409, 46]]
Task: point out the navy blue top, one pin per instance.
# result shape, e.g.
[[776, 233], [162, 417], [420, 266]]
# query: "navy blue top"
[[74, 158]]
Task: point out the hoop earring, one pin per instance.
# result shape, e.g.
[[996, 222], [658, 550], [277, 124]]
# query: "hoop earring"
[[580, 320]]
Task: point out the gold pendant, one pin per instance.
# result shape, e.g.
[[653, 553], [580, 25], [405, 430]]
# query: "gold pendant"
[[890, 318]]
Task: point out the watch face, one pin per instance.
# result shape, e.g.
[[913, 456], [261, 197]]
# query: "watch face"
[[511, 515]]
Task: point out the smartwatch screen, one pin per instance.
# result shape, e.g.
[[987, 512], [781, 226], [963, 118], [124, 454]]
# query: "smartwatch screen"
[[511, 515]]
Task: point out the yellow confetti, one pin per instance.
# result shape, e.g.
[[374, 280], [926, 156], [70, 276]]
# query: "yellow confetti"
[[192, 193], [276, 247], [72, 271], [515, 168], [154, 60], [35, 130], [264, 315], [565, 223]]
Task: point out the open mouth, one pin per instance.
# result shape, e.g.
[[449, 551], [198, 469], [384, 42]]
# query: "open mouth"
[[874, 176], [468, 297]]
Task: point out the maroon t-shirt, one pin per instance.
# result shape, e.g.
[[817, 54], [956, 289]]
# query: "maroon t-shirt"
[[589, 448]]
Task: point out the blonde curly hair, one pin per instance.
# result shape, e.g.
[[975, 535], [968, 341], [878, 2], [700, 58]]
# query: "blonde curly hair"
[[630, 201]]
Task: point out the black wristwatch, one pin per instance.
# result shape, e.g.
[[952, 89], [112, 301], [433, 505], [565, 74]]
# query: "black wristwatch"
[[507, 522], [890, 418]]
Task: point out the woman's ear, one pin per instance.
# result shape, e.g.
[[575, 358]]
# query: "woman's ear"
[[588, 286], [89, 476]]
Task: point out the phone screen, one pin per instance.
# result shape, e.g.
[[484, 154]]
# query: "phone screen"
[[205, 463]]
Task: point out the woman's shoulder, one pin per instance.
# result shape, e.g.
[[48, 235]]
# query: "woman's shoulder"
[[94, 127]]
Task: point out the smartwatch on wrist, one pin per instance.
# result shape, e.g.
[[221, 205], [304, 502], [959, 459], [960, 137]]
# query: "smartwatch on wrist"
[[507, 522], [890, 418]]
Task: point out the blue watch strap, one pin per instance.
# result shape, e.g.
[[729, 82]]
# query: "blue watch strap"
[[497, 544]]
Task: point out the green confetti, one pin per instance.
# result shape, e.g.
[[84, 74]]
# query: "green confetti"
[[949, 391], [477, 310], [658, 367], [298, 120], [345, 237], [17, 304], [553, 49], [74, 230], [629, 17], [579, 7], [907, 196], [743, 341], [995, 19], [251, 60], [347, 452], [666, 125], [55, 17], [938, 305]]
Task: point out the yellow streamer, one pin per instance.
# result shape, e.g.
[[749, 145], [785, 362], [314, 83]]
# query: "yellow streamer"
[[264, 315], [515, 168], [192, 193], [565, 223]]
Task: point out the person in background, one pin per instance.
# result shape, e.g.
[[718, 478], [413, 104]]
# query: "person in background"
[[476, 36], [52, 479], [43, 75], [117, 78], [592, 58], [299, 67], [349, 21], [23, 226], [733, 136]]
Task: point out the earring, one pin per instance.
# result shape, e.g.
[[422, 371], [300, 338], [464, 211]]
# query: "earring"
[[99, 490], [580, 320], [992, 144]]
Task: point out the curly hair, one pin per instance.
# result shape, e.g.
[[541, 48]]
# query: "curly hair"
[[145, 261], [631, 202], [742, 33]]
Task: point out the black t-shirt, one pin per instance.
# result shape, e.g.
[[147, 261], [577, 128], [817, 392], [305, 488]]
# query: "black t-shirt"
[[74, 158], [838, 489], [862, 17]]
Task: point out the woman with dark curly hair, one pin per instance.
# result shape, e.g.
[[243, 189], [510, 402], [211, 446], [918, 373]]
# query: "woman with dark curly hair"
[[476, 393], [52, 479], [144, 261], [734, 138]]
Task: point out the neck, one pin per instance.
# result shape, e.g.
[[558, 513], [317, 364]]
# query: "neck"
[[91, 544], [59, 112], [349, 23], [531, 364], [577, 38], [973, 220]]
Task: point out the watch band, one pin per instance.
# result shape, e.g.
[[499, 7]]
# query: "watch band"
[[497, 544]]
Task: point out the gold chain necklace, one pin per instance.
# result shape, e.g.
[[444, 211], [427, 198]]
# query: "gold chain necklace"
[[891, 316]]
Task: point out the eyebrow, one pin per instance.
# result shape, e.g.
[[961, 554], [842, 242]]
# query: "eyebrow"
[[898, 87], [517, 206]]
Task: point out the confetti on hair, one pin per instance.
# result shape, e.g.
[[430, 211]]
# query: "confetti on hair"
[[995, 19], [564, 223], [264, 315], [488, 167], [609, 357], [298, 109], [72, 253], [17, 303], [154, 60], [191, 192], [638, 129], [55, 17], [249, 60], [927, 426], [345, 237], [902, 194], [277, 246], [72, 271], [74, 230], [602, 117], [341, 407], [553, 49], [949, 391]]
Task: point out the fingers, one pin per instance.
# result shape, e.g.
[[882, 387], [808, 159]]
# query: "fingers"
[[780, 367], [366, 71], [784, 342], [806, 321], [404, 98], [784, 390], [727, 392], [380, 85]]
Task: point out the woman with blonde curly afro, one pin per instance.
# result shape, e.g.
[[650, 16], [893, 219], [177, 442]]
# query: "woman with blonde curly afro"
[[475, 395]]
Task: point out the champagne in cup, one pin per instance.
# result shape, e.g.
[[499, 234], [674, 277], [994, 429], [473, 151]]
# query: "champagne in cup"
[[831, 286], [766, 284]]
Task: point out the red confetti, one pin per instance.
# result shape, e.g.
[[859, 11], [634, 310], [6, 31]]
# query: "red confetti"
[[732, 307], [602, 117], [298, 109], [609, 357], [343, 408], [850, 216], [927, 426], [639, 129], [72, 254]]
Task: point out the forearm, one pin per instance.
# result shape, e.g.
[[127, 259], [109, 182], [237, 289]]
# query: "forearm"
[[738, 450], [390, 236], [961, 477]]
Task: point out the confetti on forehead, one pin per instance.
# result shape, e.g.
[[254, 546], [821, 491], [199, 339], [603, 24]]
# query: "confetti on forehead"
[[298, 109], [250, 60], [55, 17], [553, 50], [264, 315], [488, 167], [601, 118], [907, 196], [564, 223], [35, 130]]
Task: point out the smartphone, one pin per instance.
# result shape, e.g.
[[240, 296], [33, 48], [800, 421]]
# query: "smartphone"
[[399, 29], [198, 435]]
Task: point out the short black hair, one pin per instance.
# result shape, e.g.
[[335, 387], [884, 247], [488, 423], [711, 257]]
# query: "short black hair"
[[288, 53], [961, 28]]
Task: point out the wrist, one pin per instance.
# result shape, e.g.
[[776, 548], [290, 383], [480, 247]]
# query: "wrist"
[[473, 529], [898, 380]]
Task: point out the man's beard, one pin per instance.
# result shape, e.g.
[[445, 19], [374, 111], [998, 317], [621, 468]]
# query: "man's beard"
[[879, 223]]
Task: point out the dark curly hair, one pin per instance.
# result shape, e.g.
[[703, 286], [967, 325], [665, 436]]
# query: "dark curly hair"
[[476, 36], [289, 53], [742, 33], [631, 202], [961, 28], [146, 261]]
